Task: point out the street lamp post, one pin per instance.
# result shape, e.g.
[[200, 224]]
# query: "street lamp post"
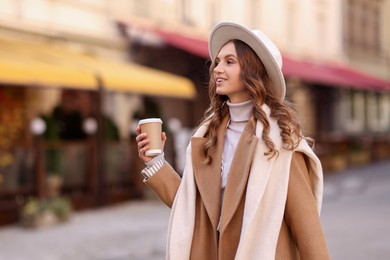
[[38, 127], [90, 127]]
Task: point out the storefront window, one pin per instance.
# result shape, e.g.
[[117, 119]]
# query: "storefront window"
[[15, 158], [378, 112], [354, 111]]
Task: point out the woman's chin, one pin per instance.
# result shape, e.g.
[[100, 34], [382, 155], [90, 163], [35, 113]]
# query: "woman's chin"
[[220, 91]]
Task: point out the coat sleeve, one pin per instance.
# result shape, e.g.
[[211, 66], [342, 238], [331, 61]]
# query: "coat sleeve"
[[301, 214], [165, 183]]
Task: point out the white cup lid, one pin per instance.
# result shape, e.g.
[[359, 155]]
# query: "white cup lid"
[[150, 120]]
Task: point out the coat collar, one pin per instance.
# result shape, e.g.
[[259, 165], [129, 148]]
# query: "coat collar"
[[238, 174], [208, 177]]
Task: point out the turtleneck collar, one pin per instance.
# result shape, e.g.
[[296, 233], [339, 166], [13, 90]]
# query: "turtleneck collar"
[[240, 112]]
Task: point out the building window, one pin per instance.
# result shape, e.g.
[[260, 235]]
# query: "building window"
[[142, 8], [354, 111], [215, 12], [255, 6], [291, 18], [377, 28], [322, 32], [378, 112], [186, 12], [363, 25]]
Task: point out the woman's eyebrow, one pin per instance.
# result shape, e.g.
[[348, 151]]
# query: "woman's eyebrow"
[[226, 56]]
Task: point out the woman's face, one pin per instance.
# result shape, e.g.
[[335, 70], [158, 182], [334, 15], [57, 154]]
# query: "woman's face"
[[227, 75]]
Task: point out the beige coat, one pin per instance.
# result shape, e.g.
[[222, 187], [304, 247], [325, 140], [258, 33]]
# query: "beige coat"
[[301, 235]]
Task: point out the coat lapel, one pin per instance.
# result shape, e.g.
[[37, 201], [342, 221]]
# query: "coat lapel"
[[208, 177], [260, 170], [238, 174]]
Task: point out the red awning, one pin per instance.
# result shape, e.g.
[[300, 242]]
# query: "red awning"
[[193, 45], [362, 78], [318, 73], [331, 74]]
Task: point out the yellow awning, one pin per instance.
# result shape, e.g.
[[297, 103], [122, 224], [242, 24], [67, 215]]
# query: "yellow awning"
[[143, 80], [115, 76], [25, 70]]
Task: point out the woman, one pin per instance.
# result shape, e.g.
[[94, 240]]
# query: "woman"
[[252, 186]]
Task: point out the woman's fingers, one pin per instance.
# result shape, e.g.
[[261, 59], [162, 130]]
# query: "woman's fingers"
[[143, 144], [140, 137], [138, 130]]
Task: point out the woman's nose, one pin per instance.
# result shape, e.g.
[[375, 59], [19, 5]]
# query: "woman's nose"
[[218, 68]]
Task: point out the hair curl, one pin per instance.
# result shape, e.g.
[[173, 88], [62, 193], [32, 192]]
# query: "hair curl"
[[260, 89]]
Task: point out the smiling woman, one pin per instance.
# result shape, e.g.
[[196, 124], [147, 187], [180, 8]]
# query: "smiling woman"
[[252, 185]]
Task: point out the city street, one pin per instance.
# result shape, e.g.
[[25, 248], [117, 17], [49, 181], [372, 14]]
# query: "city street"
[[356, 213]]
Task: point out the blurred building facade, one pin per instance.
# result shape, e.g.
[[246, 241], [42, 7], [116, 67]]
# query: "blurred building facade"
[[105, 64], [69, 96], [335, 54]]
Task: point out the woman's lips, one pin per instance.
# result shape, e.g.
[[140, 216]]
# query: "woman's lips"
[[220, 81]]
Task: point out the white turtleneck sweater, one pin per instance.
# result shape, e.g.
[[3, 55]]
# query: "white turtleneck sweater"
[[240, 113]]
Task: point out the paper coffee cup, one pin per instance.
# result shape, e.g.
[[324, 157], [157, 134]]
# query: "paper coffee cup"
[[153, 128]]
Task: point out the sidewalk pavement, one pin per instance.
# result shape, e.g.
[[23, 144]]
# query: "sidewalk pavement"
[[356, 213], [130, 231], [355, 216]]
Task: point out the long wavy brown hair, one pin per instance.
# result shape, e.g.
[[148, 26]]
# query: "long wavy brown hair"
[[260, 89]]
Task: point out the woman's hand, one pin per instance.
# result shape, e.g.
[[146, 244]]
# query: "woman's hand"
[[143, 144]]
